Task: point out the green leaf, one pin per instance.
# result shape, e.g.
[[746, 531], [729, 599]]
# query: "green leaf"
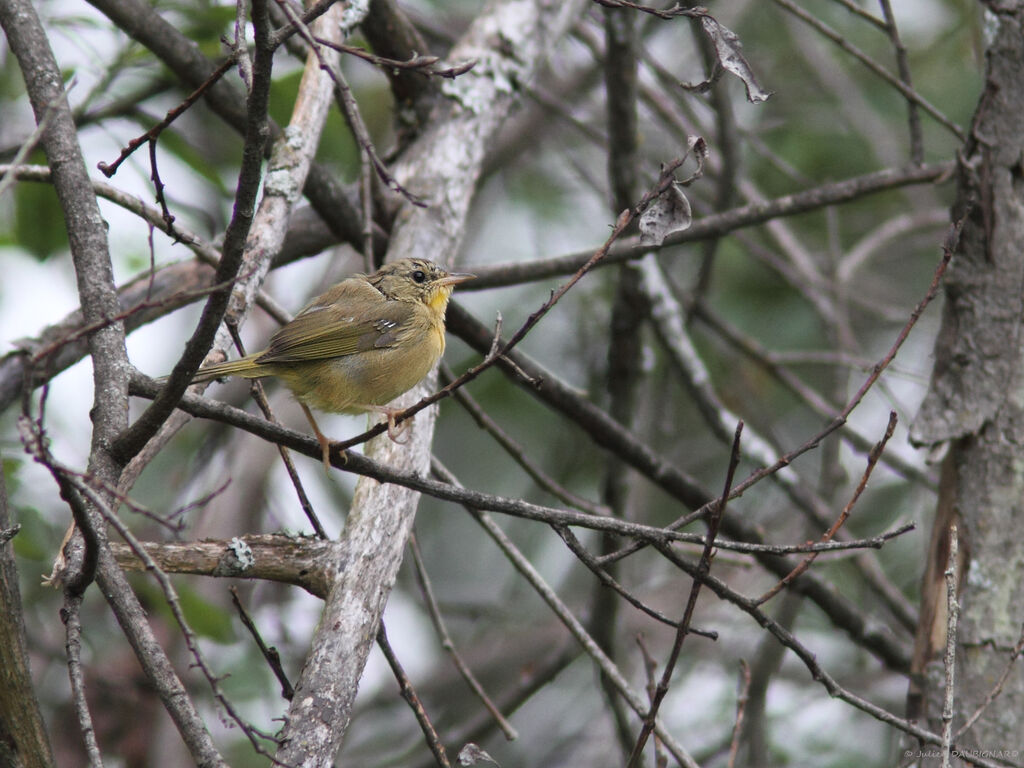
[[205, 618], [38, 218]]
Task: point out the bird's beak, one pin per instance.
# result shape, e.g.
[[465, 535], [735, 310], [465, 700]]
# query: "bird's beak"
[[454, 278]]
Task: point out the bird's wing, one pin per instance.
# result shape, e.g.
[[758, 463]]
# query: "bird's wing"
[[352, 317]]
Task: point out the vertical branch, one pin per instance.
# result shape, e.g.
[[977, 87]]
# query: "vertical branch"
[[903, 67], [71, 615], [232, 252], [413, 699], [703, 568], [87, 233], [741, 707], [728, 149], [443, 164], [624, 341], [949, 657], [22, 729], [973, 405]]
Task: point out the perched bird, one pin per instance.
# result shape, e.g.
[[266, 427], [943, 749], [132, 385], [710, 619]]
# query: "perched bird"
[[358, 346]]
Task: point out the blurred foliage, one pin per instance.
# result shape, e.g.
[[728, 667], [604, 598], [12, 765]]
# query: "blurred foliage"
[[38, 220]]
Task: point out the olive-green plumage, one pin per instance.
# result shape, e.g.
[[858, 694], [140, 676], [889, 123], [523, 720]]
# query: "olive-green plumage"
[[360, 344]]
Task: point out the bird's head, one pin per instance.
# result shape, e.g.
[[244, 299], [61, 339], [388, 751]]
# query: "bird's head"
[[417, 280]]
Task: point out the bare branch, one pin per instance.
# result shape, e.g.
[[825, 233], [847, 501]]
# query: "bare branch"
[[270, 654], [909, 93], [70, 614], [449, 645], [607, 667], [949, 658], [703, 567], [409, 694]]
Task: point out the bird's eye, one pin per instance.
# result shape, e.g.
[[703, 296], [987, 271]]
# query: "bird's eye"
[[419, 276]]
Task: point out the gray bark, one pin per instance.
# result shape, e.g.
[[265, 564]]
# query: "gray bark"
[[976, 403], [509, 41]]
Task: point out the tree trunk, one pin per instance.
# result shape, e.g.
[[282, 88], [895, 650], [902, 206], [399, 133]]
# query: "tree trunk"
[[975, 405]]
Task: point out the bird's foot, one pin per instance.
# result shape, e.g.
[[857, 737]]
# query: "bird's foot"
[[394, 430]]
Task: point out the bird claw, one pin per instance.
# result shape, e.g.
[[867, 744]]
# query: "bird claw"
[[395, 430]]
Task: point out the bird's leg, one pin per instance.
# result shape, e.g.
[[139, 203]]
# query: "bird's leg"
[[394, 430], [325, 444]]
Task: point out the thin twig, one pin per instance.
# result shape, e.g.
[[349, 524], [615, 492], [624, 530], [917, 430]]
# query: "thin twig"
[[366, 203], [448, 644], [522, 564], [422, 65], [158, 185], [804, 564], [532, 680], [150, 136], [650, 667], [856, 10], [256, 389], [350, 108], [71, 615], [174, 299], [309, 15], [409, 694], [1015, 654], [741, 707], [949, 657], [903, 67], [269, 653], [518, 453], [908, 93], [577, 548], [703, 567], [33, 138]]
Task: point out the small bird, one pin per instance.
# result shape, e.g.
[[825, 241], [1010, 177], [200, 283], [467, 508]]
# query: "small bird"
[[359, 345]]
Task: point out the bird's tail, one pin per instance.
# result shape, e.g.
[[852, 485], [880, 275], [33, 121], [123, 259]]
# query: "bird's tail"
[[246, 367]]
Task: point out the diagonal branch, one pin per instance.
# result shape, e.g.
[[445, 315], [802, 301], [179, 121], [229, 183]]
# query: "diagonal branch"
[[703, 568], [232, 254]]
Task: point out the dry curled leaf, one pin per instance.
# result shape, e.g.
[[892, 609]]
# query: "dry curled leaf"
[[729, 57], [669, 212], [471, 754]]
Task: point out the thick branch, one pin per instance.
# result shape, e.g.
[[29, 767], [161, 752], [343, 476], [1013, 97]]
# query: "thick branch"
[[183, 58], [23, 739], [299, 560], [232, 253], [442, 168]]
